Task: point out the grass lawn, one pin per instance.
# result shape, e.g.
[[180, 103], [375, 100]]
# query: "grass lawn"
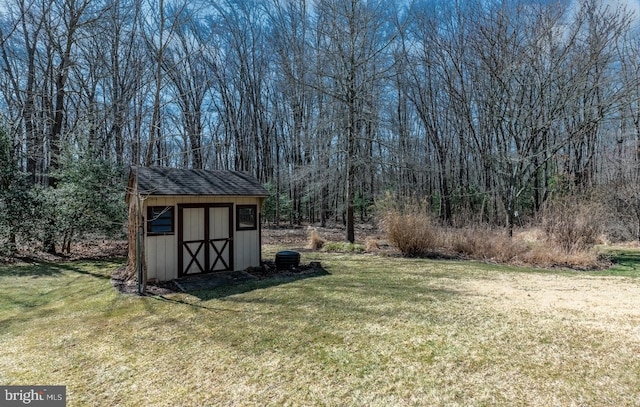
[[375, 331]]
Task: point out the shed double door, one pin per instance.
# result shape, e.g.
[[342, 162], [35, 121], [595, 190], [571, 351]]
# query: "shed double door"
[[205, 238]]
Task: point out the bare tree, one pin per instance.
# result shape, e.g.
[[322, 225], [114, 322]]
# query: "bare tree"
[[20, 47], [125, 62], [63, 25], [355, 39], [159, 31], [188, 72]]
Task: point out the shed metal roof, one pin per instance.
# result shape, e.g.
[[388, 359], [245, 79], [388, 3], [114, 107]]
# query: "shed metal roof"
[[174, 181]]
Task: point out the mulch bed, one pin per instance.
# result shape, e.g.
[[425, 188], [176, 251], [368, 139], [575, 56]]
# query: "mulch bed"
[[126, 285], [267, 270]]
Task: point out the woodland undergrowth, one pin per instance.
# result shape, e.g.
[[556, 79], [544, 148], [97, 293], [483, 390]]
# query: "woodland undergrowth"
[[564, 237]]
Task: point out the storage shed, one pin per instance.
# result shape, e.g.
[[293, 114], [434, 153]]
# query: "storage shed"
[[193, 221]]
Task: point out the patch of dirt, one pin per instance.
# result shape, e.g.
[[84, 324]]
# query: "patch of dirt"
[[299, 235]]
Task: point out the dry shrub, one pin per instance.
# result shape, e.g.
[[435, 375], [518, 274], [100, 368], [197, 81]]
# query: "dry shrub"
[[315, 241], [572, 225], [408, 225], [413, 232]]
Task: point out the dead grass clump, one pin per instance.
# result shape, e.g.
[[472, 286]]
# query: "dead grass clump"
[[487, 244], [548, 255], [371, 244], [532, 235], [315, 241]]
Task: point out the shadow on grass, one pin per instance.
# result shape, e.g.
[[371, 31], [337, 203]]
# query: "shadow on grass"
[[38, 290], [31, 270], [625, 263], [48, 269], [227, 288], [99, 265]]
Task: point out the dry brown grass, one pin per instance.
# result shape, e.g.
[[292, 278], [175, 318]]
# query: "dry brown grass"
[[487, 244], [315, 242], [371, 244]]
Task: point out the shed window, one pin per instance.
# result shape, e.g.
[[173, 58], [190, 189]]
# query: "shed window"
[[246, 217], [160, 220]]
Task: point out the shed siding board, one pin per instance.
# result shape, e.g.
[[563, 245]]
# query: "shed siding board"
[[247, 249], [160, 257], [161, 252]]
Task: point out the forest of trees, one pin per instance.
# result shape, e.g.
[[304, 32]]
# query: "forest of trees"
[[485, 109]]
